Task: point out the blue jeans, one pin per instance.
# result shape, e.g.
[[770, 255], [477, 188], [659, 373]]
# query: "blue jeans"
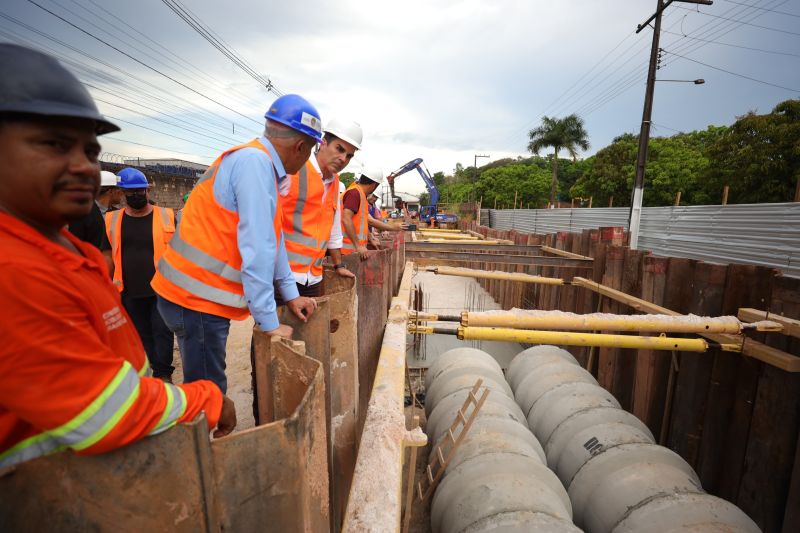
[[201, 339], [156, 337]]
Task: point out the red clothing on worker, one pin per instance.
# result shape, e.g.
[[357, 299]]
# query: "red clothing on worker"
[[71, 363], [351, 200], [359, 219]]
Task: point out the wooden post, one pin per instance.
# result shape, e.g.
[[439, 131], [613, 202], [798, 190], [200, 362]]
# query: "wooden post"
[[515, 200], [725, 195], [678, 199], [590, 201], [611, 201], [495, 202]]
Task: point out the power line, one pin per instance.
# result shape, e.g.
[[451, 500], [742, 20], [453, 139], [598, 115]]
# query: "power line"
[[139, 61], [162, 132], [733, 45], [735, 73], [178, 60], [764, 8], [156, 147], [740, 21], [119, 85], [195, 23]]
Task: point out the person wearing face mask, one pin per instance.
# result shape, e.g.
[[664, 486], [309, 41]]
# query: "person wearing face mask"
[[138, 234]]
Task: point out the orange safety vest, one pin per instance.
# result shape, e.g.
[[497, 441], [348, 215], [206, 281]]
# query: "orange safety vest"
[[360, 221], [163, 229], [307, 221], [201, 268]]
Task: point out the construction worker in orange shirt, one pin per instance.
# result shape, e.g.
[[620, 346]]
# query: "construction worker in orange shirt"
[[227, 256], [138, 234], [311, 214], [73, 373]]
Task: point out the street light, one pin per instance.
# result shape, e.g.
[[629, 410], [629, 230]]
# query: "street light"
[[699, 81]]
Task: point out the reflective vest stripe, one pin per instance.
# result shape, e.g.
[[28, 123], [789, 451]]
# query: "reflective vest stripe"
[[196, 287], [176, 406], [86, 429], [303, 259], [145, 371], [302, 195], [163, 229], [360, 221], [203, 260]]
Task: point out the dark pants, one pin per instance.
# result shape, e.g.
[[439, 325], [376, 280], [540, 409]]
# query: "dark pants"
[[311, 291], [156, 336], [201, 339]]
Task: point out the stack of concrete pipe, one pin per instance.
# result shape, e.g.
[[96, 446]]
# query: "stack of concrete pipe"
[[497, 480], [617, 478]]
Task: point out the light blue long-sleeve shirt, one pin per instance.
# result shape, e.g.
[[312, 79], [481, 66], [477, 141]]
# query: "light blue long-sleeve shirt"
[[245, 184]]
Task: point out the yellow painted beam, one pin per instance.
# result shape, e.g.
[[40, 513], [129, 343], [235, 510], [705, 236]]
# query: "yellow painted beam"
[[522, 319], [494, 274], [562, 338], [564, 253]]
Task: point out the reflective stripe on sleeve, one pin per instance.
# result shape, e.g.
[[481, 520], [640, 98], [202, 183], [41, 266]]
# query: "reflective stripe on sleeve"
[[86, 429], [173, 411]]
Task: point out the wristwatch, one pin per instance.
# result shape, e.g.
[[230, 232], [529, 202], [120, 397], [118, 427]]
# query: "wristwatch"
[[338, 266]]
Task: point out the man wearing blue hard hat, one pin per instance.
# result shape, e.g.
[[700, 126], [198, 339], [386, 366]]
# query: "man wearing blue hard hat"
[[139, 234], [227, 257]]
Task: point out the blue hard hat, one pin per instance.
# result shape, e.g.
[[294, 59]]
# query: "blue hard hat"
[[296, 112], [131, 178], [33, 83]]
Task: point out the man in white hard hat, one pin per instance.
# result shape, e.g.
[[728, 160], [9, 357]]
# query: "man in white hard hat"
[[355, 213], [91, 228], [311, 214]]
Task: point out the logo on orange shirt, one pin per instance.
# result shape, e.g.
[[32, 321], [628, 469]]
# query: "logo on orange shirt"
[[114, 318]]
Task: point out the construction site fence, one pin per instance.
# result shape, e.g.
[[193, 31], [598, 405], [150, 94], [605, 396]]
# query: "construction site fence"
[[734, 419], [756, 234]]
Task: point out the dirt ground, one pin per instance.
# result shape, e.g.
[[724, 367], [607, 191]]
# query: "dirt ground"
[[240, 389]]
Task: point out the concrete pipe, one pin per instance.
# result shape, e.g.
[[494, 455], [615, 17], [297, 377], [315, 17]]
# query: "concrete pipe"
[[497, 484], [497, 405], [617, 478], [457, 379], [458, 357], [532, 358], [497, 479]]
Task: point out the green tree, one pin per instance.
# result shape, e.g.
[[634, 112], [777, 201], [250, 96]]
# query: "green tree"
[[347, 178], [758, 157], [611, 173], [567, 133], [528, 184]]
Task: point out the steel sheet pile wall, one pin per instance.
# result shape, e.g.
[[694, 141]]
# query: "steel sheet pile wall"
[[758, 234], [497, 479], [734, 419], [618, 479]]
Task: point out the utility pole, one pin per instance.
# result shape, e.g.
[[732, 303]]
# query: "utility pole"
[[644, 132]]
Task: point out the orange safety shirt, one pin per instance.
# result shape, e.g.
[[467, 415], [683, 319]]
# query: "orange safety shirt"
[[308, 219], [163, 229], [360, 221], [201, 269], [72, 367]]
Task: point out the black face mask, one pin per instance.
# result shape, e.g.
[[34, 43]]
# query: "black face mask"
[[136, 200]]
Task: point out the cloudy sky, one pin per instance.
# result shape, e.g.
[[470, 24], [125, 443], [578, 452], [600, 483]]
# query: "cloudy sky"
[[442, 80]]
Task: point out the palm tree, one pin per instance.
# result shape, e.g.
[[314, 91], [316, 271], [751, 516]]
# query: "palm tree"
[[567, 133]]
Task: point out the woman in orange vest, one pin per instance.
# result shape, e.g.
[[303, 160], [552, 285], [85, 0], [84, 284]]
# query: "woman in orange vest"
[[138, 234], [355, 214]]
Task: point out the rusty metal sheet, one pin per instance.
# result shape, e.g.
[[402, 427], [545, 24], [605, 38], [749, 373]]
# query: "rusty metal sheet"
[[275, 476], [157, 484]]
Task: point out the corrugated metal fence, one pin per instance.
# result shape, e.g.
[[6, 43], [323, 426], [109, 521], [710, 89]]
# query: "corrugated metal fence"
[[759, 234]]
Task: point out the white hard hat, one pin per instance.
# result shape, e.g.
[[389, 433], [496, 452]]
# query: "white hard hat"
[[108, 179], [373, 173], [346, 130]]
